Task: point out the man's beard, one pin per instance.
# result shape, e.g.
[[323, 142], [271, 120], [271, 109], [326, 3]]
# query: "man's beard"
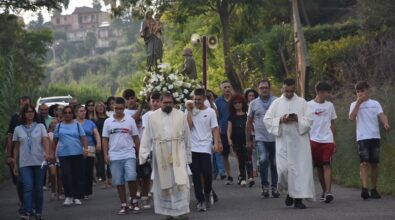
[[167, 109]]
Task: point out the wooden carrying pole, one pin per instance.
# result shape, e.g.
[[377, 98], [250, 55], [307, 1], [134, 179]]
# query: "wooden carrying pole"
[[300, 52], [204, 39]]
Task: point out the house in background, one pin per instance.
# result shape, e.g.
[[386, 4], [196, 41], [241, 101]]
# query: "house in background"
[[84, 20]]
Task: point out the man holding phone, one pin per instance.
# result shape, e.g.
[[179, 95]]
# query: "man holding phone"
[[289, 119]]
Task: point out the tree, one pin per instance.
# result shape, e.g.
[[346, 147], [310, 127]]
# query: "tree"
[[90, 41], [96, 4], [32, 5]]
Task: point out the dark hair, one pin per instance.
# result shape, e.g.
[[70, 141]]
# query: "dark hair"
[[155, 95], [289, 82], [225, 81], [248, 91], [68, 107], [108, 102], [362, 85], [128, 93], [89, 101], [323, 87], [168, 95], [25, 97], [24, 111], [200, 92], [264, 81], [236, 98], [52, 110], [119, 101]]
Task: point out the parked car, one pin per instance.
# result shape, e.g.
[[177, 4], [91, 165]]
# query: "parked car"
[[53, 100]]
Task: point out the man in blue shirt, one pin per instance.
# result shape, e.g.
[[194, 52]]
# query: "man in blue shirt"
[[223, 114]]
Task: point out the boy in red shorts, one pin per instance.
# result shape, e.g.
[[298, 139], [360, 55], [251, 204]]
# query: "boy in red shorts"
[[322, 137]]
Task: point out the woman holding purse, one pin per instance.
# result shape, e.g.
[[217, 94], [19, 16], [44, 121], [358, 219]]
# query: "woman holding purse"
[[71, 145], [94, 145]]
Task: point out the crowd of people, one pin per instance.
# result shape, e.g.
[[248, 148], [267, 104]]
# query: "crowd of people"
[[154, 152]]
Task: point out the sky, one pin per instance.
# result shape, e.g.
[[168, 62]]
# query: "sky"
[[29, 16]]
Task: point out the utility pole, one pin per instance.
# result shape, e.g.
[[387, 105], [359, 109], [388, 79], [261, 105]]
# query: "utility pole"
[[301, 60], [204, 56]]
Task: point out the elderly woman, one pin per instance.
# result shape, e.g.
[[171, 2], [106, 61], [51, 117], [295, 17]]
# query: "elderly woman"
[[31, 149], [71, 146], [94, 144]]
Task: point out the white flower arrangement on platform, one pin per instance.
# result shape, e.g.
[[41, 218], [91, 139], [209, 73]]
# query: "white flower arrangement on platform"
[[168, 80]]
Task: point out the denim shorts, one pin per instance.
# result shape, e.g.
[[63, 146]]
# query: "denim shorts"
[[369, 150], [123, 171]]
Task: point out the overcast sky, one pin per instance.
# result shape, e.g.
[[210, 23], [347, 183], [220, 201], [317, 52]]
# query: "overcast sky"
[[29, 16]]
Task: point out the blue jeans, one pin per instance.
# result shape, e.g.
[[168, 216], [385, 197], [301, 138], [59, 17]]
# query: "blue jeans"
[[219, 168], [267, 157], [32, 188]]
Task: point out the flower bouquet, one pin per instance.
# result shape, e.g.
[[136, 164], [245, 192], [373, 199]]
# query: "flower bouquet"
[[168, 80]]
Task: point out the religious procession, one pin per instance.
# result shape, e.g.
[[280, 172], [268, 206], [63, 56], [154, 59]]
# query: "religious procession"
[[170, 147]]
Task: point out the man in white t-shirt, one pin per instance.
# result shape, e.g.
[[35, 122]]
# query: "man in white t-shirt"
[[367, 112], [204, 128], [133, 109], [120, 143], [322, 134]]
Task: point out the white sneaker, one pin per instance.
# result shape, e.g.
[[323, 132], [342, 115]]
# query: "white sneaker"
[[77, 202], [68, 201], [243, 183]]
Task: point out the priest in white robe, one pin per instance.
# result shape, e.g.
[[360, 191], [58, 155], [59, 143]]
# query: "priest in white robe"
[[167, 135], [289, 120]]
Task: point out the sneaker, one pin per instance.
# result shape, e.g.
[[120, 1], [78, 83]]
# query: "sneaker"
[[145, 203], [68, 201], [275, 192], [123, 210], [265, 191], [61, 197], [134, 206], [229, 181], [25, 216], [289, 201], [207, 200], [77, 202], [39, 217], [86, 197], [374, 194], [299, 204], [243, 183], [328, 197], [365, 194], [44, 188], [201, 207], [251, 182], [223, 176], [322, 197], [215, 197]]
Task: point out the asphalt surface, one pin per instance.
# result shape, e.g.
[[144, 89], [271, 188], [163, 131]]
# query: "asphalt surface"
[[235, 202]]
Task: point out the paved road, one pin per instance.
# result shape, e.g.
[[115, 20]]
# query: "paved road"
[[235, 203]]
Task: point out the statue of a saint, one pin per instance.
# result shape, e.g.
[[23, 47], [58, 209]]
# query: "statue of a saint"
[[147, 32], [158, 45], [189, 68]]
